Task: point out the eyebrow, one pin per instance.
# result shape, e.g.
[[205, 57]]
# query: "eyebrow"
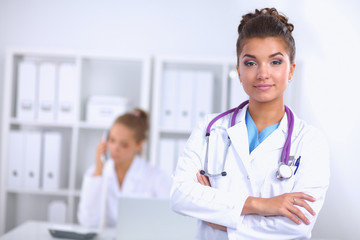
[[272, 55]]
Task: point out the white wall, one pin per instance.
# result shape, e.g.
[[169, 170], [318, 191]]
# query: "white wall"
[[327, 35]]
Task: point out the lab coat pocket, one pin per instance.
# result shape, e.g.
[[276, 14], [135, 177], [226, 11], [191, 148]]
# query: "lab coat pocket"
[[274, 187], [220, 182]]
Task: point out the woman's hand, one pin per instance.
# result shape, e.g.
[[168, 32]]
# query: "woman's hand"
[[100, 151], [204, 180], [283, 205]]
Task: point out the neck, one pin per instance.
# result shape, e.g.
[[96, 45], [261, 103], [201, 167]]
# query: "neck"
[[266, 114], [121, 169]]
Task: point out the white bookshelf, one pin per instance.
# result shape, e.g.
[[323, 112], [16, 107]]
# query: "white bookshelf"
[[96, 74], [219, 67]]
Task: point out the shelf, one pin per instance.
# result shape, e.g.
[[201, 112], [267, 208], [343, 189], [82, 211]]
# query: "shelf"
[[175, 131], [60, 192], [35, 123], [97, 126]]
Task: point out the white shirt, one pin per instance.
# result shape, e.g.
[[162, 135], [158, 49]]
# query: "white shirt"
[[249, 174], [141, 180]]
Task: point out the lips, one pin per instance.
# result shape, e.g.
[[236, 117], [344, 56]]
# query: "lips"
[[263, 87]]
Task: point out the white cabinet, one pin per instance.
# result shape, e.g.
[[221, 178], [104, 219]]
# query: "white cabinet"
[[184, 90], [29, 106]]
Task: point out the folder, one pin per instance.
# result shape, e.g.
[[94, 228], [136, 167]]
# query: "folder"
[[32, 159], [237, 93], [184, 109], [204, 85], [168, 98], [15, 176], [52, 165], [180, 145], [47, 91], [167, 155], [67, 91], [26, 90]]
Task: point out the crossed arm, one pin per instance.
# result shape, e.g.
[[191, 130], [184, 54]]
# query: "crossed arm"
[[282, 205]]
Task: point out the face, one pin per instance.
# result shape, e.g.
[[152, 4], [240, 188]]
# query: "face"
[[265, 69], [122, 144]]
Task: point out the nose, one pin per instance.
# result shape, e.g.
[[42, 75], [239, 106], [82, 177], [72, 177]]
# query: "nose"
[[263, 72]]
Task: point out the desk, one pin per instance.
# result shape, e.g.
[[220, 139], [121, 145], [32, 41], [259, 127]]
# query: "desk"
[[35, 230]]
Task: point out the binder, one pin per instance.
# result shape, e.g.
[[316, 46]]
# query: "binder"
[[180, 145], [32, 159], [26, 91], [52, 167], [168, 98], [167, 155], [15, 176], [204, 95], [67, 89], [185, 103], [237, 93], [47, 91]]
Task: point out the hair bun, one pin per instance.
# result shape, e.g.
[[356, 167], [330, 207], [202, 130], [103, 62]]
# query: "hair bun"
[[266, 12]]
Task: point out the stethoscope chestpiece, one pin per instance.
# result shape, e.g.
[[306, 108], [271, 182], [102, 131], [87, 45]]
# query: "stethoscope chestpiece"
[[284, 172]]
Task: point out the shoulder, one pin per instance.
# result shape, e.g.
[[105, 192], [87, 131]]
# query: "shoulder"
[[304, 129]]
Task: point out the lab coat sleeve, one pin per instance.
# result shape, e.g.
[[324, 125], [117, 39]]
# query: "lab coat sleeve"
[[190, 198], [312, 178], [90, 199]]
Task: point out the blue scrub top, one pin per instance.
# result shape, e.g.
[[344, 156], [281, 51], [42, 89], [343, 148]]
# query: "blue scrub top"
[[256, 138]]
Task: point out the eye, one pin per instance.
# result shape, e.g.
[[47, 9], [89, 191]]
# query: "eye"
[[249, 63], [276, 62]]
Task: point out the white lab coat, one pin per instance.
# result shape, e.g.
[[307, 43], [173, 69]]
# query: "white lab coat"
[[141, 180], [249, 175]]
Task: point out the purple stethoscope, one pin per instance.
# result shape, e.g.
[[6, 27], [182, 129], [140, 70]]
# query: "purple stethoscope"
[[284, 171]]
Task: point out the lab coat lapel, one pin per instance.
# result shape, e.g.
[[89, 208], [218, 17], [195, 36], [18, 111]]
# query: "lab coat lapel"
[[239, 139]]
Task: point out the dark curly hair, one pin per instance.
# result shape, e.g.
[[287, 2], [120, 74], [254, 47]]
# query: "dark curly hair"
[[267, 22]]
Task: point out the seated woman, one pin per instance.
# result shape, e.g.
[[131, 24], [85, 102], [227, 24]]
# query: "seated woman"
[[125, 173]]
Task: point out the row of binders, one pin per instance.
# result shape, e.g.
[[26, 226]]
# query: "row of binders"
[[35, 160], [169, 151], [186, 97], [46, 91]]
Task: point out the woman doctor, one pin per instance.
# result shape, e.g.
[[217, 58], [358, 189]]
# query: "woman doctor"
[[125, 174], [251, 200]]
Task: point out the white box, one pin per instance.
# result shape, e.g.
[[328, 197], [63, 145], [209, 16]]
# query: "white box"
[[32, 159], [204, 95], [167, 155], [47, 91], [52, 178], [67, 89], [26, 90], [15, 162], [168, 99], [105, 109], [185, 104]]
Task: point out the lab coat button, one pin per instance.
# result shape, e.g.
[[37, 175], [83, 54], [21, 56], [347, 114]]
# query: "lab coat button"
[[248, 177]]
